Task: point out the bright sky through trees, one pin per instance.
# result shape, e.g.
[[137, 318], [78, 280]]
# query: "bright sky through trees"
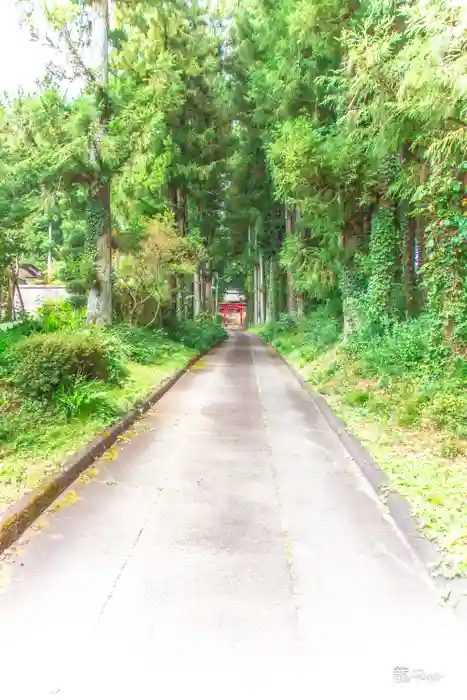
[[24, 60]]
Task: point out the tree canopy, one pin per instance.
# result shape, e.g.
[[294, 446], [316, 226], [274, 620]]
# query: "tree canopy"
[[311, 151]]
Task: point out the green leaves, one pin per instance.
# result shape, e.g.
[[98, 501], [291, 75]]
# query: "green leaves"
[[221, 121]]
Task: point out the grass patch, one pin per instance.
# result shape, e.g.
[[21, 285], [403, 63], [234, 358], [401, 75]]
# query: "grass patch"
[[44, 438], [52, 404], [405, 397]]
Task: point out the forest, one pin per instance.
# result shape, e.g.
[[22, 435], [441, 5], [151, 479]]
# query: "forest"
[[310, 152]]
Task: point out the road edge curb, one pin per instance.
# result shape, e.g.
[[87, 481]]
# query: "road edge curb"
[[398, 507], [20, 515]]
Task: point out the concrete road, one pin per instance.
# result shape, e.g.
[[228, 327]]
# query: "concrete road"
[[228, 547]]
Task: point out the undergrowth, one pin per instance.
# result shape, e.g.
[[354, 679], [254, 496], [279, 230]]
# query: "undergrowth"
[[62, 383], [403, 392]]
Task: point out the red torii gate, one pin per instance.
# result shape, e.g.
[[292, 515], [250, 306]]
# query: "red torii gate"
[[227, 309]]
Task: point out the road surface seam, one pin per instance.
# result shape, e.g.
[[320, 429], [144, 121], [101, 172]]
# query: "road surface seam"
[[422, 569], [287, 542], [127, 558]]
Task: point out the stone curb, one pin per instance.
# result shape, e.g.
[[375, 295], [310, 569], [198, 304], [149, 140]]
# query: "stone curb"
[[19, 516], [398, 507]]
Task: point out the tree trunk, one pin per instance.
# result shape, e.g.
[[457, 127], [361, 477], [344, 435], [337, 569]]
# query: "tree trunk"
[[180, 211], [173, 281], [409, 264], [99, 309], [272, 292], [196, 294], [187, 303], [420, 236], [172, 289], [216, 297], [258, 293], [283, 292], [255, 295], [385, 245], [250, 285], [49, 255], [17, 290], [291, 298], [179, 298], [300, 305], [208, 293], [262, 289], [299, 297], [10, 300], [349, 294], [202, 284]]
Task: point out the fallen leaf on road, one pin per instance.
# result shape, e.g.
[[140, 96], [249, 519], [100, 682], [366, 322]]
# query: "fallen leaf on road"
[[68, 500], [199, 365]]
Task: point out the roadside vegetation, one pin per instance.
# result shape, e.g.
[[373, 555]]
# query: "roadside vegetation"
[[355, 115], [110, 194], [62, 383], [403, 393], [309, 152]]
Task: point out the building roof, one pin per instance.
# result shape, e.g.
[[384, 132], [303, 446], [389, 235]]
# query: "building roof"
[[30, 270], [233, 295]]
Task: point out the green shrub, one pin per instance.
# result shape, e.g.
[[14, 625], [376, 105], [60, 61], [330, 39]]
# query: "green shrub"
[[451, 447], [78, 301], [84, 398], [394, 350], [286, 322], [46, 362], [321, 329], [447, 411], [199, 335], [268, 332], [409, 412], [309, 336], [60, 315], [143, 345], [9, 338], [357, 397]]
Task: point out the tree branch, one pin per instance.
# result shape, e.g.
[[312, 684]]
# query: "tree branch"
[[457, 121]]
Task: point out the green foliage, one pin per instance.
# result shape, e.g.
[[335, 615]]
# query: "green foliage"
[[286, 322], [308, 337], [83, 398], [447, 411], [8, 338], [313, 259], [393, 350], [322, 328], [445, 274], [384, 240], [404, 394], [143, 345], [357, 397], [322, 143], [19, 421], [361, 117], [61, 315], [62, 388], [44, 363], [158, 141], [200, 335]]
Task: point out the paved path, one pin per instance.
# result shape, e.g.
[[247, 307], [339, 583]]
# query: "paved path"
[[229, 547]]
